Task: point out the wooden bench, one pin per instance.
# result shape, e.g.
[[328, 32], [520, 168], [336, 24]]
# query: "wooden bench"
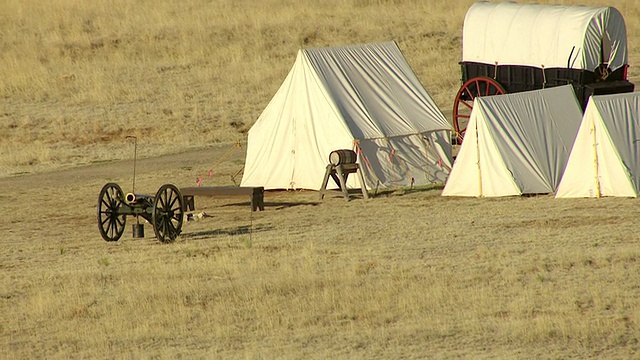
[[256, 194]]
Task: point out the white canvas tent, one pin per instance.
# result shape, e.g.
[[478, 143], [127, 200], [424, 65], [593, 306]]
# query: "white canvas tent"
[[605, 158], [365, 98], [549, 36], [516, 144]]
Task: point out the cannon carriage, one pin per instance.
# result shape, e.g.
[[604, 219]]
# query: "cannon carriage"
[[164, 210], [510, 48]]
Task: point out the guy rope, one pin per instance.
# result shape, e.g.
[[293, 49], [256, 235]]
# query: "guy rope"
[[224, 156]]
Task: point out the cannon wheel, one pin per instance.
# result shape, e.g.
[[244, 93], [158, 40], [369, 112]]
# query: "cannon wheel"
[[472, 88], [110, 222], [168, 212]]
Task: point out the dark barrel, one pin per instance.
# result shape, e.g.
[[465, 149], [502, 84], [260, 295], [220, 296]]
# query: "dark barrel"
[[343, 156]]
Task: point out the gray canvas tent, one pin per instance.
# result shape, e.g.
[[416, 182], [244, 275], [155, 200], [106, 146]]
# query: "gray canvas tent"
[[516, 144], [365, 98], [605, 158]]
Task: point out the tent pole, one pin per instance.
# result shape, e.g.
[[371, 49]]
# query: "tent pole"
[[478, 158], [595, 158]]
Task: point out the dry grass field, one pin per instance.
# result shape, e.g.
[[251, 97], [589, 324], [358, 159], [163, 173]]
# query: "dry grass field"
[[406, 274]]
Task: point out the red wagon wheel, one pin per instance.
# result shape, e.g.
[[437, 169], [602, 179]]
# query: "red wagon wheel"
[[472, 88]]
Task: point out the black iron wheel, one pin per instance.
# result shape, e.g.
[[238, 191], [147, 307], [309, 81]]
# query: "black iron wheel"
[[168, 212], [110, 222]]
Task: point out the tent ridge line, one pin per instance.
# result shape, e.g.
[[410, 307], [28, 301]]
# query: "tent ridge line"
[[398, 136]]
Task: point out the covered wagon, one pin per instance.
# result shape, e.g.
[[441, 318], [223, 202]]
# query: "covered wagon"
[[509, 47]]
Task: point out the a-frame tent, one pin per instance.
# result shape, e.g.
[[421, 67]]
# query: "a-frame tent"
[[363, 97], [605, 159], [516, 144]]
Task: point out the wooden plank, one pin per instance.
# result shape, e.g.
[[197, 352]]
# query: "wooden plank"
[[256, 194], [220, 190]]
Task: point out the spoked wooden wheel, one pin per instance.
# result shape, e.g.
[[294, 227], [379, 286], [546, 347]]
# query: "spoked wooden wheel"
[[472, 88], [168, 213], [110, 222]]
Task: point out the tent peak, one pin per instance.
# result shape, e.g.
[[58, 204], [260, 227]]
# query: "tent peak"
[[351, 46]]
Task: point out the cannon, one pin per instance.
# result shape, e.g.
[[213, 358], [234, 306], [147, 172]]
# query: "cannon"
[[165, 211]]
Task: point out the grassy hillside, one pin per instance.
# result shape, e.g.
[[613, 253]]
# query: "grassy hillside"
[[76, 77], [406, 274]]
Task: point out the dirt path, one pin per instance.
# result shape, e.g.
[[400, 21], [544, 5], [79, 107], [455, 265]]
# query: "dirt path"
[[195, 160]]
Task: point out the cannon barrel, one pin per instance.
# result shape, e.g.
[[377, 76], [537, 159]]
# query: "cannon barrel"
[[133, 198]]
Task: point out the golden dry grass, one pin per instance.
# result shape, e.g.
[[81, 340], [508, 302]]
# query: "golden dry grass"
[[408, 274], [77, 76]]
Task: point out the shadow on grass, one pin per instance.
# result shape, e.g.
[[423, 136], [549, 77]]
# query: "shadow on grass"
[[399, 191], [284, 204], [278, 205], [240, 230]]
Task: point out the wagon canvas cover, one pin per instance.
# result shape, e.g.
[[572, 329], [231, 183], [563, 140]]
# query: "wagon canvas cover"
[[605, 158], [550, 36], [516, 144], [362, 97]]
